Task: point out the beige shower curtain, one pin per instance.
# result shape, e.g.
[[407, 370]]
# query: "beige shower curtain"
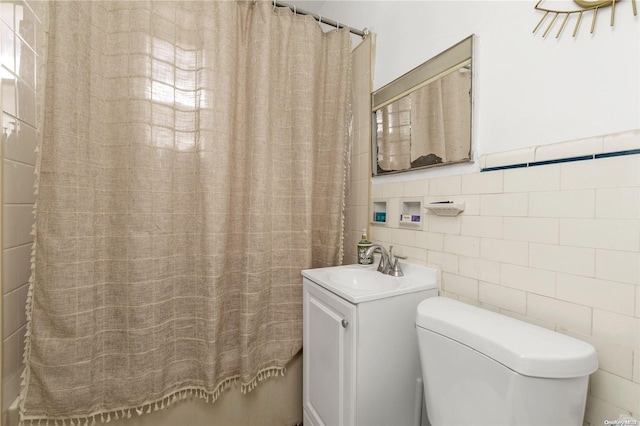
[[192, 164]]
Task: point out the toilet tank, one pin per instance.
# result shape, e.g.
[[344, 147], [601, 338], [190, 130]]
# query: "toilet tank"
[[483, 368]]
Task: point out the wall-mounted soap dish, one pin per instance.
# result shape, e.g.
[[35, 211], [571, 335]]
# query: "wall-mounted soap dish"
[[446, 208]]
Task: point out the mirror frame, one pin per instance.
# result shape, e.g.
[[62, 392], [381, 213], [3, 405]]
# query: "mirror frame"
[[454, 58]]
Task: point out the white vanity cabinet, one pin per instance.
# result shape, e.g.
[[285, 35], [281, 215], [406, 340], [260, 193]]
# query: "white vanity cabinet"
[[360, 357], [329, 350]]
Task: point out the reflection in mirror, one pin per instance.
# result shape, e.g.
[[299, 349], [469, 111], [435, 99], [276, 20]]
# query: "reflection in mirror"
[[423, 119]]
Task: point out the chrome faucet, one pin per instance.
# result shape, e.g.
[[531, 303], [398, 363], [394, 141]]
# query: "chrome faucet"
[[383, 266], [388, 263]]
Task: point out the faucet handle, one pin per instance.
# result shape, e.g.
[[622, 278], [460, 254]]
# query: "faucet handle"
[[395, 260], [395, 269]]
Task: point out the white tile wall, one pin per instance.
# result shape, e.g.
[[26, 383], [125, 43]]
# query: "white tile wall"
[[19, 26], [503, 297], [612, 234], [572, 260], [564, 315], [482, 184], [481, 226], [615, 172], [462, 245], [610, 387], [617, 203], [430, 241], [448, 185], [527, 279], [539, 230], [607, 295], [532, 179], [557, 245], [505, 251], [618, 328], [442, 224], [618, 266], [571, 204], [515, 204], [457, 284], [481, 269]]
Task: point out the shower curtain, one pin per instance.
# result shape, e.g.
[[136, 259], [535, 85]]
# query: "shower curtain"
[[192, 163]]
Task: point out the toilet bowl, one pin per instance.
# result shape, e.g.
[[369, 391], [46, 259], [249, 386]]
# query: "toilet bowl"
[[483, 368]]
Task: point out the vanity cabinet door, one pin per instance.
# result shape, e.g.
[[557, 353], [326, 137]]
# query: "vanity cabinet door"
[[328, 358]]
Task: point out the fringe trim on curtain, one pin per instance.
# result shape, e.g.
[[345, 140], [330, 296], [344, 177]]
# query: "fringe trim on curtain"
[[346, 159], [159, 404], [43, 49]]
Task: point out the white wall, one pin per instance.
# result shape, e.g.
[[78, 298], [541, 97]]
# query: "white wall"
[[529, 90]]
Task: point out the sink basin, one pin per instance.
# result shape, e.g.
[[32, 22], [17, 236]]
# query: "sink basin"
[[361, 283], [362, 279]]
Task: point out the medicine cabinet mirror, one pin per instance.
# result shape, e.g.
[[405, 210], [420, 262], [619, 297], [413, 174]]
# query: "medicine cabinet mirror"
[[423, 118]]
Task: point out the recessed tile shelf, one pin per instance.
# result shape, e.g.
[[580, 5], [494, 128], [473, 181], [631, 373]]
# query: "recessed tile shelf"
[[411, 213], [446, 208], [379, 209]]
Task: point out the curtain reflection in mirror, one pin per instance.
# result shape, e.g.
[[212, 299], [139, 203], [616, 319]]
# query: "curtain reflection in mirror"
[[429, 126]]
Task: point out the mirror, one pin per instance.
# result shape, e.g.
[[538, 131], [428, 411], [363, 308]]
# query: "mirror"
[[423, 118]]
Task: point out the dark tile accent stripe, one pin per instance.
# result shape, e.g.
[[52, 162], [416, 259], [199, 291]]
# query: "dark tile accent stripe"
[[563, 160], [511, 166], [618, 153]]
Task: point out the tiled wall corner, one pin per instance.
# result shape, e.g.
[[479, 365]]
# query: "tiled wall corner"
[[555, 244], [19, 25], [357, 202]]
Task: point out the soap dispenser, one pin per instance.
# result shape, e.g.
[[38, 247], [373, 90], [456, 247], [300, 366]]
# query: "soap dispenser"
[[363, 245]]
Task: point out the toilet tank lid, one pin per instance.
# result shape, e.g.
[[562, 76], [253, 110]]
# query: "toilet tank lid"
[[525, 348]]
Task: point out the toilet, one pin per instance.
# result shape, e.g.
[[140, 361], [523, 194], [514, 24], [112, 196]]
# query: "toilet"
[[482, 368]]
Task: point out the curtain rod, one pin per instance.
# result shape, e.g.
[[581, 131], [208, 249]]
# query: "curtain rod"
[[362, 33]]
